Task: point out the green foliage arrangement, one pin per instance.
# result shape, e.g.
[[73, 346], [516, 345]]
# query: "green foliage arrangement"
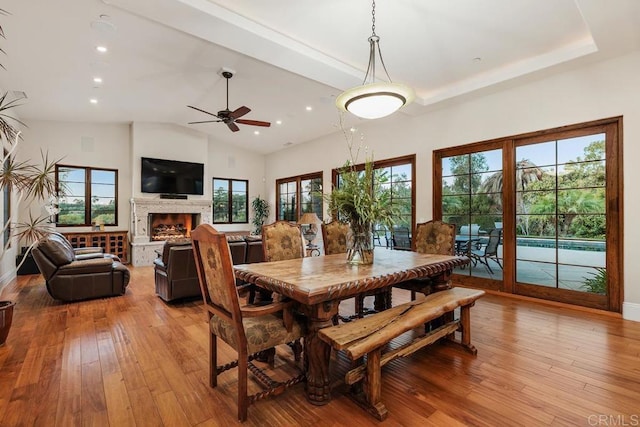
[[361, 199]]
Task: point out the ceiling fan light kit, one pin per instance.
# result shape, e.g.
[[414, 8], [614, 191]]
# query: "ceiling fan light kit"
[[228, 117], [373, 100]]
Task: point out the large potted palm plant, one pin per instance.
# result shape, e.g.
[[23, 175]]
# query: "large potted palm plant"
[[24, 182]]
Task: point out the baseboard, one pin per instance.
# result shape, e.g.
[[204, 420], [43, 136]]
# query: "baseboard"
[[631, 311]]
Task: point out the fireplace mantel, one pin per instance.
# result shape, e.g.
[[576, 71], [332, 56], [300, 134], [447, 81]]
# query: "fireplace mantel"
[[142, 249]]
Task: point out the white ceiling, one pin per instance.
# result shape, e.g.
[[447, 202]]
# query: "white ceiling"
[[287, 54]]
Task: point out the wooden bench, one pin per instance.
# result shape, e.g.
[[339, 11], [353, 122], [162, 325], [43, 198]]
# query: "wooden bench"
[[368, 336]]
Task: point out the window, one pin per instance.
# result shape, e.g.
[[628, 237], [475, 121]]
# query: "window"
[[554, 197], [298, 195], [87, 196], [399, 174], [230, 201]]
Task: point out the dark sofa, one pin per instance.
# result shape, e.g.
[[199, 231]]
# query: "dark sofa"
[[78, 274], [175, 271]]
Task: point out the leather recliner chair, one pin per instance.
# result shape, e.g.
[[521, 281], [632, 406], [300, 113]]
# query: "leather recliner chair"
[[78, 274], [175, 272]]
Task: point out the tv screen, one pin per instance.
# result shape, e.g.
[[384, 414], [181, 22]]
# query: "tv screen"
[[171, 177]]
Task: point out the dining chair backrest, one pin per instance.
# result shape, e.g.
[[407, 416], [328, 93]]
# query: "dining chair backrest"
[[281, 241], [334, 237], [435, 237], [215, 273]]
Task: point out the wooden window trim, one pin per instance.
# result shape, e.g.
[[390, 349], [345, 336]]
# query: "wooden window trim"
[[395, 161], [230, 200], [297, 179], [613, 127], [87, 192]]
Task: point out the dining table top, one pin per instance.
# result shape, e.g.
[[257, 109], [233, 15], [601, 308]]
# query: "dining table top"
[[312, 280]]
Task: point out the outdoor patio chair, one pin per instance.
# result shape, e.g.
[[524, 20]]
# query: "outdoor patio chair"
[[489, 251]]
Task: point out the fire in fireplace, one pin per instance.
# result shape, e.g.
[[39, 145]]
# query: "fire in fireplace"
[[171, 226]]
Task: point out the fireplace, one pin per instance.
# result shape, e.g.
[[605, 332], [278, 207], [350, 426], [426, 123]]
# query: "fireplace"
[[171, 226], [143, 247]]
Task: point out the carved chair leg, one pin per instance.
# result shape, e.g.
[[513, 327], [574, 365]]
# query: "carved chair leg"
[[213, 360], [243, 369]]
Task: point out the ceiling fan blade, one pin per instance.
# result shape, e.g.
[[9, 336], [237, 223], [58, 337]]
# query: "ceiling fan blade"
[[202, 111], [239, 112], [205, 121], [253, 122], [233, 127]]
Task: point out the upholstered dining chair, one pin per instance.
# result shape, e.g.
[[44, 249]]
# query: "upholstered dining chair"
[[282, 240], [247, 329], [431, 237]]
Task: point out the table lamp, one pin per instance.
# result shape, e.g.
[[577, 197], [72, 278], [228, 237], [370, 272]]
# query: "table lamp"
[[309, 233]]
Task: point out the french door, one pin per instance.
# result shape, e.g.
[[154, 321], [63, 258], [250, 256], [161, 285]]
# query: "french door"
[[555, 197]]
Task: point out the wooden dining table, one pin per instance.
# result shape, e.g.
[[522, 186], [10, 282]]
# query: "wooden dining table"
[[318, 284]]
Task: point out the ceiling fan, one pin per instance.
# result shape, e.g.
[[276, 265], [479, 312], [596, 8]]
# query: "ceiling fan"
[[230, 118]]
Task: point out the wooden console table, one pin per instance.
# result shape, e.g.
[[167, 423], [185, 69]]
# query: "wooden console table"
[[113, 242]]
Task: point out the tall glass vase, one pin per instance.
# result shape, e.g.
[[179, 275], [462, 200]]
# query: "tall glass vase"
[[360, 245]]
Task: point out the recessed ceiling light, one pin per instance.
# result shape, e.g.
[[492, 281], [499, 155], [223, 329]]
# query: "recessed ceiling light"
[[353, 130], [286, 144], [256, 132], [93, 101], [309, 108], [101, 49], [97, 79], [278, 122], [477, 59]]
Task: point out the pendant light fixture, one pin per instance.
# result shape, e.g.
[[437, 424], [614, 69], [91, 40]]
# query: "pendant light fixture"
[[373, 100]]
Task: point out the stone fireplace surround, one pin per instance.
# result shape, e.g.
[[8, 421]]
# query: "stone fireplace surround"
[[142, 249]]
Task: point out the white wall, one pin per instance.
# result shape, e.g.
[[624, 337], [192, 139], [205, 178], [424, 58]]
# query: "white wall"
[[606, 89], [82, 144]]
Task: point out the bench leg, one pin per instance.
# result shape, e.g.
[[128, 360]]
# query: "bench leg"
[[465, 327], [371, 401]]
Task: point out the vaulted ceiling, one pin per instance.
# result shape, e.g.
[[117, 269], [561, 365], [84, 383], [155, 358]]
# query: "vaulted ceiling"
[[287, 55]]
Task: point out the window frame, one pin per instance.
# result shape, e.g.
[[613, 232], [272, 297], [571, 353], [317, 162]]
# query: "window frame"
[[230, 182], [612, 127], [87, 194], [385, 163], [6, 209], [298, 180]]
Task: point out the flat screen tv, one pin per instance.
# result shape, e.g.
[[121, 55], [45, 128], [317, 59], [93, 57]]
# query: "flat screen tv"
[[171, 177]]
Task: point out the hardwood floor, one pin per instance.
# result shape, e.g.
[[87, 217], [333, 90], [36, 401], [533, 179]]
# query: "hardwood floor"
[[134, 360]]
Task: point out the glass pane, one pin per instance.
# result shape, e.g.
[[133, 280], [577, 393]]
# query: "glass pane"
[[103, 190], [590, 147], [487, 182], [478, 163], [536, 202], [221, 211], [536, 249], [239, 186], [103, 210], [589, 279], [486, 203], [71, 210], [493, 160], [591, 200], [103, 177], [541, 154], [583, 174], [455, 205], [401, 172], [536, 226], [71, 174], [220, 185], [536, 273], [456, 165], [590, 253], [73, 189]]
